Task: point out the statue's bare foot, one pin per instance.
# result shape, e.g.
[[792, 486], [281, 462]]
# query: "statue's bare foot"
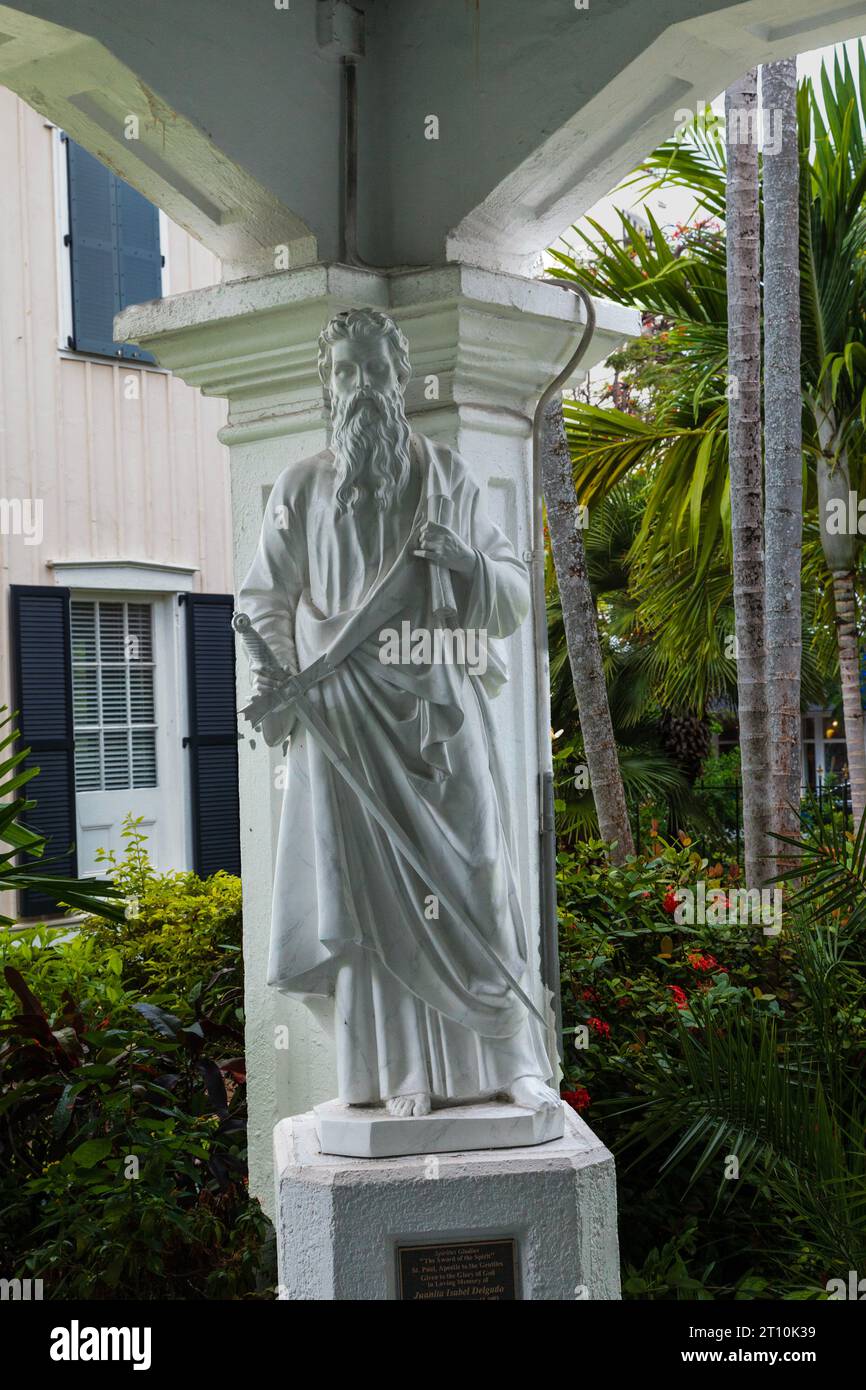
[[534, 1094], [418, 1103]]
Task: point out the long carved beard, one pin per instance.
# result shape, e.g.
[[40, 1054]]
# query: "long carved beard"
[[371, 448]]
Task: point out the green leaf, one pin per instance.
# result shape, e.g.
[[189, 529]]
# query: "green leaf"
[[91, 1152]]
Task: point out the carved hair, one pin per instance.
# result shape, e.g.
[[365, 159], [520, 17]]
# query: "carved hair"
[[363, 323]]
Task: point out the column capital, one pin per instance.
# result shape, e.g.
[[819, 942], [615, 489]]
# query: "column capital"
[[477, 338]]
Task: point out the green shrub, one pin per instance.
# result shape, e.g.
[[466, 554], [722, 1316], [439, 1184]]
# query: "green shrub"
[[177, 927], [123, 1099], [701, 1043]]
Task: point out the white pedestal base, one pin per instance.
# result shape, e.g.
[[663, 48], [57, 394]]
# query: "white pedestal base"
[[355, 1131], [345, 1225]]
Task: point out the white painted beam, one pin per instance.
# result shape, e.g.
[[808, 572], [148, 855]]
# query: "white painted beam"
[[84, 89]]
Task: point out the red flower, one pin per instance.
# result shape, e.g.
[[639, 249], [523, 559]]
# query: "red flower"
[[703, 962], [681, 999], [671, 901], [577, 1099], [590, 995], [599, 1026]]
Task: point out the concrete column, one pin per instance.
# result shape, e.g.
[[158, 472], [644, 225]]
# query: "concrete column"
[[483, 346]]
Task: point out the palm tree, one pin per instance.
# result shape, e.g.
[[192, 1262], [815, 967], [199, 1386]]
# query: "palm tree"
[[684, 447], [638, 674], [580, 622], [743, 243], [833, 237], [783, 445], [649, 773]]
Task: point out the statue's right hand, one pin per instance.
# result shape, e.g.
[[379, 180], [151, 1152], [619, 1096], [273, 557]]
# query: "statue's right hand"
[[265, 682]]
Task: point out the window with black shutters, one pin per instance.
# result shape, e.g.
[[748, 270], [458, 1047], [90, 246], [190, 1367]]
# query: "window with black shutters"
[[104, 733], [114, 250]]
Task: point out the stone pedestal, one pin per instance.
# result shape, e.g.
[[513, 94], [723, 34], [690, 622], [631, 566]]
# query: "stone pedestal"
[[362, 1131], [523, 1223]]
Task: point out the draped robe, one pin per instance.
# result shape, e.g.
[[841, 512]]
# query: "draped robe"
[[418, 1005]]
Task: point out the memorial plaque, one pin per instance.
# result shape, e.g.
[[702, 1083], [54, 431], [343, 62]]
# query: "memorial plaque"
[[468, 1270]]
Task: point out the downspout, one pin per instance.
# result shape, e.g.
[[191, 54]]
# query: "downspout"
[[349, 253], [349, 238], [549, 927]]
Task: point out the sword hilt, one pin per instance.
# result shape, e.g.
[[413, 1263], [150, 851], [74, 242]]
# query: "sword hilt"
[[290, 685], [257, 647]]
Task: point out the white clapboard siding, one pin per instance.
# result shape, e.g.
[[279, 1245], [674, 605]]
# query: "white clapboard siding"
[[119, 479]]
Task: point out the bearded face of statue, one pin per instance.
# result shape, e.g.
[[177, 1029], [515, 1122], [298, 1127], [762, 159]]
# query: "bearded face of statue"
[[370, 430]]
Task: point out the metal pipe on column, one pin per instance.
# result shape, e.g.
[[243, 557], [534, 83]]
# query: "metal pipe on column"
[[549, 928]]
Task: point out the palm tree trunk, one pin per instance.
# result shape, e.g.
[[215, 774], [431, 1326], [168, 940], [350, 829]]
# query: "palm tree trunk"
[[580, 621], [845, 600], [744, 447], [840, 553], [783, 448]]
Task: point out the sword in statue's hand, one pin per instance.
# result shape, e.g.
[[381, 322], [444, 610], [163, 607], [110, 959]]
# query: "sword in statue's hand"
[[291, 690]]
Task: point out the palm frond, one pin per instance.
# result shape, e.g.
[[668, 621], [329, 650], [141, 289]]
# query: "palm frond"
[[831, 868]]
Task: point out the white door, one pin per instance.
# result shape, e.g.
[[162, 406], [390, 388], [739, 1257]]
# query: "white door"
[[122, 682]]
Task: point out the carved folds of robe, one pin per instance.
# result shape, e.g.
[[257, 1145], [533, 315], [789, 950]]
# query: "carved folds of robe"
[[419, 1007]]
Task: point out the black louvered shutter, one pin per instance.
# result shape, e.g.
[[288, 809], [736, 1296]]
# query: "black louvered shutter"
[[115, 251], [139, 259], [213, 733], [93, 240], [42, 678]]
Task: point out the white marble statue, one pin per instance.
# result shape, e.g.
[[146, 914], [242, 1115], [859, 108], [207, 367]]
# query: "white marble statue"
[[376, 560]]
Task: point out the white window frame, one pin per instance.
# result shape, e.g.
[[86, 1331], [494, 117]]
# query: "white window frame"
[[64, 254], [137, 581], [98, 665]]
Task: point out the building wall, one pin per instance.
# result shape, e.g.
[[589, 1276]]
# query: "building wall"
[[124, 458]]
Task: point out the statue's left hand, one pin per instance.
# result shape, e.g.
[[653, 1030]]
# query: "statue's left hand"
[[442, 546]]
